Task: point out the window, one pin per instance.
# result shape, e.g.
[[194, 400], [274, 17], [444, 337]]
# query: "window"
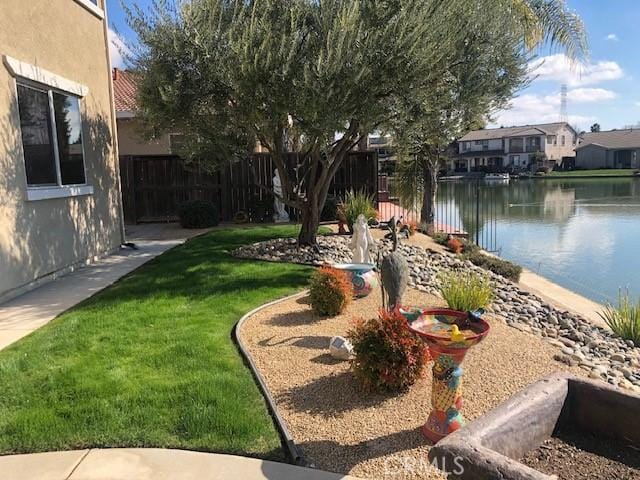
[[515, 159], [51, 137], [516, 144], [562, 140], [550, 139]]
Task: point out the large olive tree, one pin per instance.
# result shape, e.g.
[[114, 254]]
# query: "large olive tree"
[[313, 75]]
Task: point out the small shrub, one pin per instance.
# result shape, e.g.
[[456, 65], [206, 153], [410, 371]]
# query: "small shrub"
[[466, 291], [331, 291], [198, 214], [330, 209], [388, 356], [455, 245], [494, 264], [412, 227], [440, 238], [624, 319], [469, 247], [357, 203]]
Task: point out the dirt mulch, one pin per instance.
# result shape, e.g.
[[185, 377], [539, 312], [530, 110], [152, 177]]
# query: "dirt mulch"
[[575, 455], [342, 428]]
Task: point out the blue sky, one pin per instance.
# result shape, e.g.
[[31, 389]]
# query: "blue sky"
[[604, 88]]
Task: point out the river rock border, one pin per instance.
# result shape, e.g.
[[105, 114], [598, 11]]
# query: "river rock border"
[[598, 351]]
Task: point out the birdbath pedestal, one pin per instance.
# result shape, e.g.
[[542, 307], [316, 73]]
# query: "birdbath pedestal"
[[449, 334]]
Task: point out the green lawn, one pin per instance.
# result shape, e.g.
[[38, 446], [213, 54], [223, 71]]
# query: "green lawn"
[[150, 361], [627, 172]]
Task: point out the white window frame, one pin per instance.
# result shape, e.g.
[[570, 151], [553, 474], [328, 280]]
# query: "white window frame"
[[92, 7], [38, 78]]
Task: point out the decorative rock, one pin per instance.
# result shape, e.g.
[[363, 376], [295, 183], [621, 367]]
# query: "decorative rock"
[[617, 357], [340, 348]]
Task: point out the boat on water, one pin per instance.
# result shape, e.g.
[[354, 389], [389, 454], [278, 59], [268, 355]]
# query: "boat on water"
[[501, 177]]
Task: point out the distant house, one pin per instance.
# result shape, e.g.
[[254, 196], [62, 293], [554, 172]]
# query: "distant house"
[[512, 147], [612, 149], [60, 203]]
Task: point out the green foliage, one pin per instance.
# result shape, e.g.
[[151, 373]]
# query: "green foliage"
[[388, 356], [330, 209], [331, 290], [487, 66], [466, 291], [440, 238], [358, 203], [496, 265], [198, 214], [624, 319], [230, 74]]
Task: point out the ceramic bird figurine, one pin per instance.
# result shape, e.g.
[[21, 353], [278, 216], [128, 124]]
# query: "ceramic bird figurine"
[[456, 334]]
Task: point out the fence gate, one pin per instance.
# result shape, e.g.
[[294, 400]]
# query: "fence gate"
[[468, 208]]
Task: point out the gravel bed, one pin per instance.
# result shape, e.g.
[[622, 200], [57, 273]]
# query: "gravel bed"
[[341, 428], [595, 350]]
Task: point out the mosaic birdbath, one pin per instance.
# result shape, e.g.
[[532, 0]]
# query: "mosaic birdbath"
[[449, 334], [363, 277]]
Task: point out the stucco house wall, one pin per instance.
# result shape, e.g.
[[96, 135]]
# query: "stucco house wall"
[[132, 142], [557, 151], [61, 42]]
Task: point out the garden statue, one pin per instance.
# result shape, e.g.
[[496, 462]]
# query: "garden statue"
[[340, 348], [362, 242], [280, 215], [394, 272]]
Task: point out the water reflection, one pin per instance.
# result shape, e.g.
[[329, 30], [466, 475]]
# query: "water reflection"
[[581, 233]]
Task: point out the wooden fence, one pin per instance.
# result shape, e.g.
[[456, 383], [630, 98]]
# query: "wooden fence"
[[154, 186]]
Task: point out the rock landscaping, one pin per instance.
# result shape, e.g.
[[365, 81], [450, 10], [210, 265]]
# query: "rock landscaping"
[[595, 350], [340, 426]]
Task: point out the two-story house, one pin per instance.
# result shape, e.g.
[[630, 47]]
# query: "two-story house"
[[494, 149], [60, 203]]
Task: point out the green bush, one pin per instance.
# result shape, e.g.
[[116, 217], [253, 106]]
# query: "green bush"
[[198, 214], [466, 291], [624, 319], [441, 238], [494, 264], [330, 209], [331, 290], [388, 356], [356, 203]]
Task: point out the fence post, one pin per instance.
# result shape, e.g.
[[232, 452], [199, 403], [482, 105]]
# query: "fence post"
[[478, 212]]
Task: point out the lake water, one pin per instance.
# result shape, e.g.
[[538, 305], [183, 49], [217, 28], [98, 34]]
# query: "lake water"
[[583, 234]]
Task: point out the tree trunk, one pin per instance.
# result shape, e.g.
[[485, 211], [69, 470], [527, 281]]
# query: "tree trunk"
[[428, 211], [310, 223]]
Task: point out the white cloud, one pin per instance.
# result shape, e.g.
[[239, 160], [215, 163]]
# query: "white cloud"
[[562, 69], [117, 50], [589, 95], [612, 37], [535, 108], [637, 104]]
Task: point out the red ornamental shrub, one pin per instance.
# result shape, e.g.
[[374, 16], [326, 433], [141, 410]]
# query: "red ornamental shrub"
[[455, 245], [388, 356], [331, 290]]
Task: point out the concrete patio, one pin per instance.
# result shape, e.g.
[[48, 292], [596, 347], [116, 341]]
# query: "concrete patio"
[[149, 464]]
